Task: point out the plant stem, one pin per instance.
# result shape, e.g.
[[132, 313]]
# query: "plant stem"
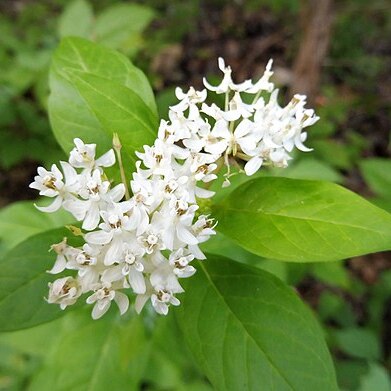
[[256, 97], [117, 148], [243, 156]]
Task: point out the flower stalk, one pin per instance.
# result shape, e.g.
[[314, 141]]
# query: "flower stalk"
[[117, 148]]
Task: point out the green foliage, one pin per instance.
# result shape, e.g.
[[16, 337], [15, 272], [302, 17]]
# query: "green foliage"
[[118, 26], [359, 65], [331, 273], [76, 20], [308, 168], [94, 355], [75, 353], [358, 342], [95, 92], [302, 221], [377, 174], [21, 220], [25, 51], [248, 331], [376, 379], [170, 364], [24, 280]]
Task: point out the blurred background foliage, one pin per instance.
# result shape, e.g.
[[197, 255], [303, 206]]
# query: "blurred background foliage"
[[176, 43]]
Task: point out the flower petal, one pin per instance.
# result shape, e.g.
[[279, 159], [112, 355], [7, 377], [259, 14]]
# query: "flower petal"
[[253, 165], [54, 206], [106, 160], [92, 217], [99, 237], [122, 301], [137, 281]]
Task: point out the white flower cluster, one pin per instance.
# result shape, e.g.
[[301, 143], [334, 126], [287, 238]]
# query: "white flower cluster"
[[147, 242]]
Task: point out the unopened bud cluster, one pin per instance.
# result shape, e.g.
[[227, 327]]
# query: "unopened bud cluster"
[[145, 244]]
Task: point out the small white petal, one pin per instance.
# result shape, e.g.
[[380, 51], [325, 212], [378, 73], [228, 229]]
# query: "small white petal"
[[140, 302], [106, 160], [195, 250], [185, 236], [174, 301], [99, 237], [114, 252], [204, 193], [54, 206], [253, 165], [137, 282], [117, 193], [69, 173], [100, 309], [59, 266], [77, 207], [243, 128], [92, 218], [112, 274], [122, 301]]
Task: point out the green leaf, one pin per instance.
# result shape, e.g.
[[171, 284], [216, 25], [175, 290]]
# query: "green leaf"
[[309, 168], [358, 342], [333, 273], [95, 91], [302, 221], [35, 341], [249, 331], [24, 282], [349, 373], [21, 220], [170, 365], [377, 379], [76, 20], [221, 245], [377, 173], [94, 355], [118, 110], [77, 54], [333, 152], [120, 25]]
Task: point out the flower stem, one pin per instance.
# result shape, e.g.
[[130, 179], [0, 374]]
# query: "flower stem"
[[243, 156], [226, 101], [256, 97], [117, 148]]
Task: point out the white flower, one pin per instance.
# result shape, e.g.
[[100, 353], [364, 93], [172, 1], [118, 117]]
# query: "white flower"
[[202, 229], [180, 263], [95, 194], [174, 221], [161, 300], [129, 266], [64, 291], [237, 109], [83, 156], [263, 84], [227, 84], [102, 298], [151, 239], [51, 184], [87, 263], [63, 251], [188, 100]]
